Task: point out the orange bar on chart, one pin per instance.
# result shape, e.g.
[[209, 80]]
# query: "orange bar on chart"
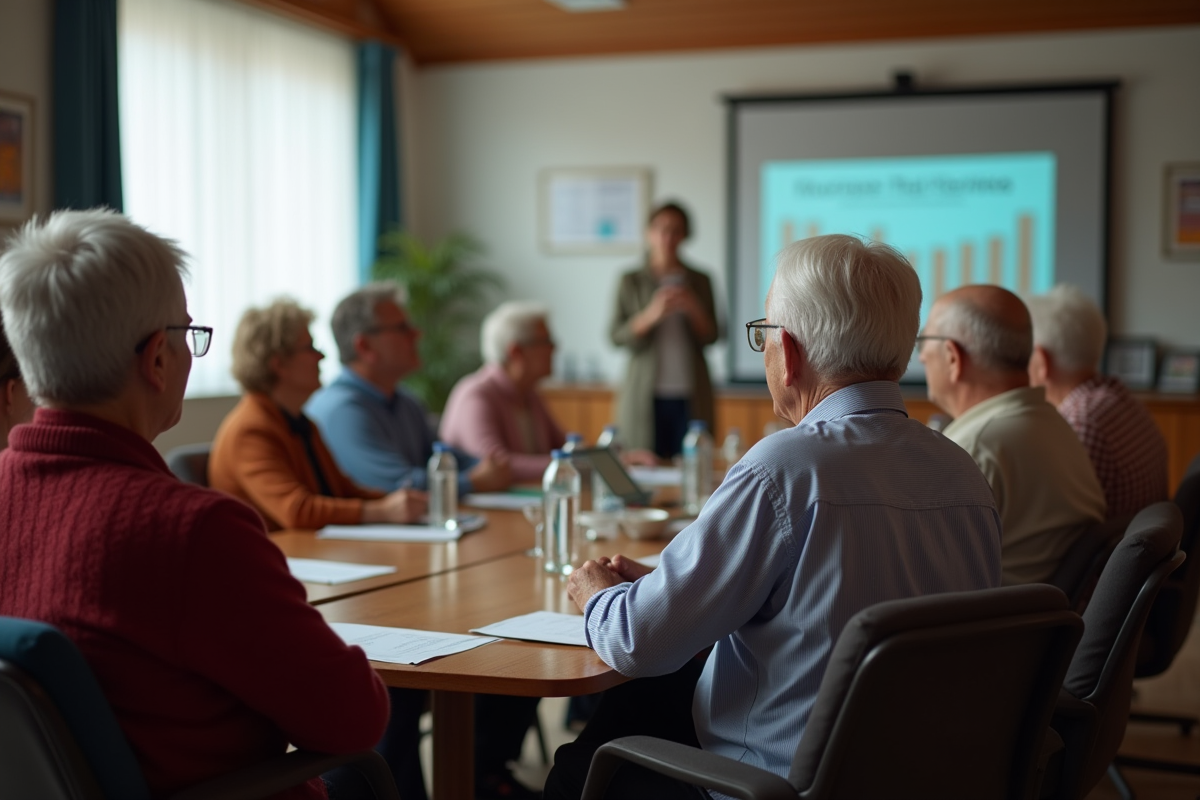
[[967, 263], [939, 272], [995, 260]]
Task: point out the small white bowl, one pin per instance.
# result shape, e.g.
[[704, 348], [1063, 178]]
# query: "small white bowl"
[[644, 523], [598, 524]]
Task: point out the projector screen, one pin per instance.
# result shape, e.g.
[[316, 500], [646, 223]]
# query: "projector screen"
[[1005, 186]]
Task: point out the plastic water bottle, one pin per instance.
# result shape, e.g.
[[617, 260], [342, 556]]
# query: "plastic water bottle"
[[697, 466], [560, 496], [608, 438], [443, 487], [731, 448]]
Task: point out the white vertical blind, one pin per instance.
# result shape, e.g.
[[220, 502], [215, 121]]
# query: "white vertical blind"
[[238, 140]]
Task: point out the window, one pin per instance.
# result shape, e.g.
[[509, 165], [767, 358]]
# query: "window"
[[238, 140]]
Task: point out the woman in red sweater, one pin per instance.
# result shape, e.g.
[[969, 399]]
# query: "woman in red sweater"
[[202, 641]]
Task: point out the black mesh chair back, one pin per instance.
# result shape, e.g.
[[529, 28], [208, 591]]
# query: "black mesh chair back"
[[1102, 671], [1080, 568], [189, 462], [946, 696], [1172, 614]]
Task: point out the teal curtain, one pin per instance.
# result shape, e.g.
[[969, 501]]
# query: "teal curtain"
[[378, 164], [87, 144]]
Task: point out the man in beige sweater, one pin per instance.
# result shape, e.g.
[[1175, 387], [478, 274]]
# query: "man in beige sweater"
[[976, 348]]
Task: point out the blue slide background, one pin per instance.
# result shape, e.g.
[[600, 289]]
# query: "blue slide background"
[[919, 205]]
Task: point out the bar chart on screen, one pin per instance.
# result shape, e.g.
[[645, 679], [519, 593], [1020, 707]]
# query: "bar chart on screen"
[[959, 219]]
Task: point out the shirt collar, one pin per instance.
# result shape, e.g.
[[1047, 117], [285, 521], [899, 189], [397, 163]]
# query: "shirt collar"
[[868, 397], [352, 379]]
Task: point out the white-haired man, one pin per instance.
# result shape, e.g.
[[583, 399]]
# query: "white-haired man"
[[1125, 446], [976, 349], [496, 411], [98, 538], [854, 505], [377, 431]]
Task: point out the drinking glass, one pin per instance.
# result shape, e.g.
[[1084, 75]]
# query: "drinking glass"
[[535, 515]]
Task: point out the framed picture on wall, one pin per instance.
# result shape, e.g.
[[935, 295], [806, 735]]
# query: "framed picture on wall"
[[1180, 372], [16, 157], [593, 210], [1132, 361], [1181, 234]]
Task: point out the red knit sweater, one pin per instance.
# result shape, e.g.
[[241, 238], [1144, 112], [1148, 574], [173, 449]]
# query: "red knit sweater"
[[203, 643]]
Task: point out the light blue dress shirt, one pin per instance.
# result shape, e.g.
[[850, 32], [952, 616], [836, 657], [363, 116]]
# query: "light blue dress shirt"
[[380, 442], [855, 505]]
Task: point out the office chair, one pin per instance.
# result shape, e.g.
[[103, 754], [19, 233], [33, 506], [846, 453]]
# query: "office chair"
[[1093, 708], [189, 462], [1167, 626], [1080, 568], [59, 739], [944, 696]]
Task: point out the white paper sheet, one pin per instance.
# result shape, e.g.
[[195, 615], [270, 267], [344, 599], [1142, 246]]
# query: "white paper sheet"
[[333, 572], [540, 626], [403, 533], [405, 645], [652, 477], [501, 501], [649, 561]]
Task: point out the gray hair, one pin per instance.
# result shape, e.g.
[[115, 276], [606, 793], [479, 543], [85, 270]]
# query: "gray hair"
[[356, 314], [1069, 326], [993, 341], [854, 306], [510, 323], [78, 293]]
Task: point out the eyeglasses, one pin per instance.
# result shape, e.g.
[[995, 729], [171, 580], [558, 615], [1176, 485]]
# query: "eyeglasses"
[[923, 339], [755, 335], [199, 338]]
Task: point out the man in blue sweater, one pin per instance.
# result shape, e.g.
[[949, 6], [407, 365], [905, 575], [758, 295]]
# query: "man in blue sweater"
[[378, 432]]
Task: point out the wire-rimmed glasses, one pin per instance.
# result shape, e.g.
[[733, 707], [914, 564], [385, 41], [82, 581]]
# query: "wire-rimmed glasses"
[[755, 335]]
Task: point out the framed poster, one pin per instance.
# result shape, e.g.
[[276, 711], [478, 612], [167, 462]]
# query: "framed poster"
[[16, 157], [1131, 361], [1181, 233], [598, 210], [1180, 372]]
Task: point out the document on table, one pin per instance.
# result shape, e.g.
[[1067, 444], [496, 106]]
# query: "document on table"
[[333, 572], [540, 626], [403, 533], [405, 645], [502, 501], [652, 477], [649, 561]]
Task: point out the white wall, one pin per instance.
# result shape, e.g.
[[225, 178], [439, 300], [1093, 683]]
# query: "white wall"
[[25, 69], [485, 130]]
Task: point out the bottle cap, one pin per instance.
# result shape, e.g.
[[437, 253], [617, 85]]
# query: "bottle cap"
[[697, 424], [440, 447], [558, 454], [574, 437]]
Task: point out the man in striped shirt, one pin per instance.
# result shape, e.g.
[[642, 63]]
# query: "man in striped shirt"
[[854, 505], [1123, 443]]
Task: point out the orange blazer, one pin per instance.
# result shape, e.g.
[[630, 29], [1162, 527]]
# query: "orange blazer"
[[257, 459]]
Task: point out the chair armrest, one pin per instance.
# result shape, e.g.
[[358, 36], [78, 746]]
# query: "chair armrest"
[[687, 764], [277, 774]]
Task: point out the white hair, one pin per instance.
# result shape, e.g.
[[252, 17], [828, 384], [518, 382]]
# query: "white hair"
[[995, 342], [1069, 326], [854, 306], [78, 293], [510, 323]]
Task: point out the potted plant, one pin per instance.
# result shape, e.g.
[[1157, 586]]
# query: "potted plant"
[[447, 299]]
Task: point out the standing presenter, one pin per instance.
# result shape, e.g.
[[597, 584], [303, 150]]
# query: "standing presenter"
[[665, 316]]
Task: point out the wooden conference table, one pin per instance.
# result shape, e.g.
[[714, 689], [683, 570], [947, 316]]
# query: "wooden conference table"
[[483, 578]]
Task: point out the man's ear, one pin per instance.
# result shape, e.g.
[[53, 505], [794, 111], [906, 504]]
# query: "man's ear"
[[795, 359], [956, 360], [6, 397], [1039, 366], [152, 361], [361, 346]]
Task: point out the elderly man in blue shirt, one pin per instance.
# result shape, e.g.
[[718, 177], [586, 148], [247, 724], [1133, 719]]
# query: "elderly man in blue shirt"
[[377, 431], [853, 505]]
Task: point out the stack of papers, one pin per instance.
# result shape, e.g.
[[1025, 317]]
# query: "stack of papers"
[[333, 572], [403, 533], [405, 645], [653, 477], [540, 626]]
